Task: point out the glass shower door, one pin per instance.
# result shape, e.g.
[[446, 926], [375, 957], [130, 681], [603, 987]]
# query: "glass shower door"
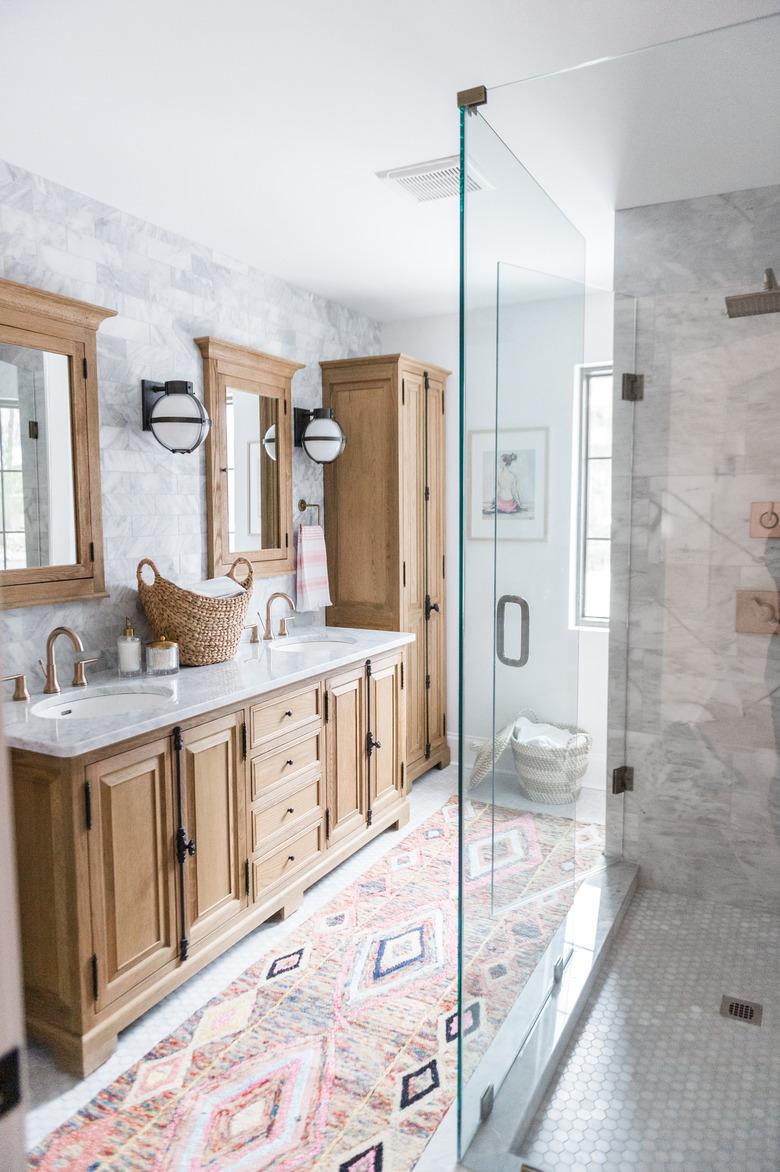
[[523, 750]]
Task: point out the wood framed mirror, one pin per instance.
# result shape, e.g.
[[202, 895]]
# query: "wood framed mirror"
[[51, 539], [248, 396]]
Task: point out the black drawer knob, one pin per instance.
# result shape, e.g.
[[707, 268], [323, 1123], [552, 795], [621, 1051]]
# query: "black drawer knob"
[[288, 712], [290, 809], [291, 858]]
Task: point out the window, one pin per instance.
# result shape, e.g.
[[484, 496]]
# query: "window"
[[595, 496]]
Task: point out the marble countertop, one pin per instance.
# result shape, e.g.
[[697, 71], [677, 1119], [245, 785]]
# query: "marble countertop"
[[256, 669]]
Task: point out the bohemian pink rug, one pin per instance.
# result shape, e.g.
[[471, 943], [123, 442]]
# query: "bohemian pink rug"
[[340, 1053]]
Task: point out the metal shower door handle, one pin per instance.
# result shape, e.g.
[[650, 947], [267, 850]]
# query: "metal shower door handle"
[[525, 618]]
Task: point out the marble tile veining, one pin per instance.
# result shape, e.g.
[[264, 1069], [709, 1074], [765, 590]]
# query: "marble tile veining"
[[167, 290], [698, 712]]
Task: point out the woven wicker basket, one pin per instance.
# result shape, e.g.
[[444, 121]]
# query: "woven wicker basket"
[[208, 630], [552, 774]]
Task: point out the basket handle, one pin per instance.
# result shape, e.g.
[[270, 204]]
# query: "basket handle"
[[247, 582], [140, 567]]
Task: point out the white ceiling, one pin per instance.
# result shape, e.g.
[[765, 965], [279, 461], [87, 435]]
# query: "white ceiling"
[[257, 128]]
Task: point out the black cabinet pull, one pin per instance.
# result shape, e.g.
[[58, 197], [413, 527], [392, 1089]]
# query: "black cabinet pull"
[[288, 712], [291, 809], [291, 858], [289, 761]]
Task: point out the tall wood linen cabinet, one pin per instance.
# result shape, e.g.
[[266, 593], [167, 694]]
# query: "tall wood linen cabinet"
[[384, 525]]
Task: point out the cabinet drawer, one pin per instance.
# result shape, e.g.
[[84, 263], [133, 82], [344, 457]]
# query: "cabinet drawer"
[[285, 863], [279, 717], [282, 764], [285, 812]]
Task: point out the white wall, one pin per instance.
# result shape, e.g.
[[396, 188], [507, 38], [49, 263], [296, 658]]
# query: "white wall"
[[566, 677]]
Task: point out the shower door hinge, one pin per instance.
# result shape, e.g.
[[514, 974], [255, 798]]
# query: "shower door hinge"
[[623, 779], [32, 429], [486, 1102], [633, 388], [476, 96]]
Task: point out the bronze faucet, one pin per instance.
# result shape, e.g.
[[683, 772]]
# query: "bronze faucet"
[[268, 631], [52, 683]]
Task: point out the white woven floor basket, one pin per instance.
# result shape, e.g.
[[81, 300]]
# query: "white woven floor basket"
[[552, 774]]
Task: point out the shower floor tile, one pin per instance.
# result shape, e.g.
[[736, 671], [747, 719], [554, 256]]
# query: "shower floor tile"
[[654, 1076]]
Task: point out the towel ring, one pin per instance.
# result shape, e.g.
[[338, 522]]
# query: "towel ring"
[[303, 505]]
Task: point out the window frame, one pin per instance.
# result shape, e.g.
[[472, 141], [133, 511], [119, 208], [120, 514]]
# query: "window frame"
[[585, 373]]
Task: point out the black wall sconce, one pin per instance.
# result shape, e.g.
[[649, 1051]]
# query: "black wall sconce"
[[174, 416], [318, 433]]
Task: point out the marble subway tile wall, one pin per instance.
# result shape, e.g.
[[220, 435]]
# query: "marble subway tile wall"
[[703, 703], [167, 290]]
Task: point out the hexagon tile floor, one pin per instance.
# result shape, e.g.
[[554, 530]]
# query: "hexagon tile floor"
[[654, 1077]]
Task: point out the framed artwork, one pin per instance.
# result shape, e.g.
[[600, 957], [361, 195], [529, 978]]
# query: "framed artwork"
[[508, 488]]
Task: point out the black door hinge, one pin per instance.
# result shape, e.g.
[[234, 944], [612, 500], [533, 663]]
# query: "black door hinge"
[[87, 805], [427, 749], [244, 740], [10, 1082], [94, 965], [632, 388], [623, 779], [327, 824], [32, 429], [327, 706], [246, 876], [85, 367], [428, 681], [402, 675]]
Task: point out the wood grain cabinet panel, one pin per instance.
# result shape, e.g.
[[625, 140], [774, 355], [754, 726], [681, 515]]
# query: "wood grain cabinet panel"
[[346, 753], [386, 765], [131, 868], [214, 813], [278, 719], [384, 525], [284, 764]]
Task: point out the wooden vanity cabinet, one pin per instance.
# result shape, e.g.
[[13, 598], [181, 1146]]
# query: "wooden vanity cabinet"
[[384, 525], [139, 864]]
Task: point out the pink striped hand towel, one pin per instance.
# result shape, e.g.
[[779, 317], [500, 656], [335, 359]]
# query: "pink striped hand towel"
[[313, 590]]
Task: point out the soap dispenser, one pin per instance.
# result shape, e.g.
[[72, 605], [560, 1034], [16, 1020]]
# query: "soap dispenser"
[[128, 647]]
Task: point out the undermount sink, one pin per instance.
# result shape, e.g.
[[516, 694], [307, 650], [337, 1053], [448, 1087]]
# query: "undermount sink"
[[312, 643], [108, 702]]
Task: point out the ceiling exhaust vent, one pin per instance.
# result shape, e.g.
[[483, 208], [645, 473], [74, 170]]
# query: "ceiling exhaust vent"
[[436, 179]]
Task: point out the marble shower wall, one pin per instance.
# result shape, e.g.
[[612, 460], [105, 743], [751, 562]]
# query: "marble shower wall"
[[702, 703], [167, 291]]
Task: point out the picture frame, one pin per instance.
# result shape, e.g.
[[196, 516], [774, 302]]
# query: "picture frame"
[[508, 502]]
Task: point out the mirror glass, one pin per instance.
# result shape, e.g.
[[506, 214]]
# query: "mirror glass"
[[251, 427], [37, 498]]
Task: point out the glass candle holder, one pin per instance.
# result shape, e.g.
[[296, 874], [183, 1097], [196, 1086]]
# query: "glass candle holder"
[[162, 657]]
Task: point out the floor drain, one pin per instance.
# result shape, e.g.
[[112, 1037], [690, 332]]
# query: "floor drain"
[[742, 1010]]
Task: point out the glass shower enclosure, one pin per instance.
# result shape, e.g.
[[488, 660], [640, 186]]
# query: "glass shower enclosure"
[[563, 680]]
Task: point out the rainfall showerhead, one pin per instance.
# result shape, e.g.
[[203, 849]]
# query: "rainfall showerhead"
[[767, 300]]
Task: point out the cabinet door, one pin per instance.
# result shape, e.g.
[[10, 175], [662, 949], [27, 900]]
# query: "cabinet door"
[[387, 727], [215, 818], [436, 568], [345, 740], [413, 578], [132, 868]]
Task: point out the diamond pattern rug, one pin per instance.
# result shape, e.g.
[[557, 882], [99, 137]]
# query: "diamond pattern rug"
[[340, 1053]]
